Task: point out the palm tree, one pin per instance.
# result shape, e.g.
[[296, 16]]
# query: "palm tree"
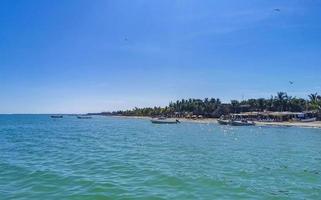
[[235, 105], [315, 101], [214, 108], [261, 104], [281, 100], [270, 104], [314, 97]]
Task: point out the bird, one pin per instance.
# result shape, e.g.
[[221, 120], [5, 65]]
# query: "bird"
[[126, 39], [277, 9], [291, 82]]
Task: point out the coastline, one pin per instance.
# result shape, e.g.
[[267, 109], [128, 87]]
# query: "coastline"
[[316, 124]]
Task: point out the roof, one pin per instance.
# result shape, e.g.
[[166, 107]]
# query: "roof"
[[284, 113], [268, 113], [246, 114]]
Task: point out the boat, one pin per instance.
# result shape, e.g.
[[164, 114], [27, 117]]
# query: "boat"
[[223, 121], [242, 123], [84, 117], [56, 116], [163, 120], [313, 119]]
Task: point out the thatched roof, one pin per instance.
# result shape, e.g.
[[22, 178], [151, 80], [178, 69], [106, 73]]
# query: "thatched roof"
[[277, 114]]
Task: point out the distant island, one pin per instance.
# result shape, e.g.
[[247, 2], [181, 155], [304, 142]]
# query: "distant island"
[[214, 108]]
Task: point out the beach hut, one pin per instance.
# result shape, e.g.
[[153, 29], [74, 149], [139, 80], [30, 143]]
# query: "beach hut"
[[246, 115], [194, 116], [270, 116], [283, 116]]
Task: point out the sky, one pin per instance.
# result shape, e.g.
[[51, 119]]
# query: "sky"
[[80, 56]]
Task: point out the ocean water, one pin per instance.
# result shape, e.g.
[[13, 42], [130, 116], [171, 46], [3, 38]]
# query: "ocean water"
[[117, 158]]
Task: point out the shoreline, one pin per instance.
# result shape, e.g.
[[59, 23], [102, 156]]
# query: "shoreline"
[[316, 124]]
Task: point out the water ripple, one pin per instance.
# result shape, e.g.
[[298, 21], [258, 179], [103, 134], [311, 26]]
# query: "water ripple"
[[111, 158]]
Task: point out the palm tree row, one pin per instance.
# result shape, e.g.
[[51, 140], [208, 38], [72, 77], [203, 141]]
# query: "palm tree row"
[[215, 108]]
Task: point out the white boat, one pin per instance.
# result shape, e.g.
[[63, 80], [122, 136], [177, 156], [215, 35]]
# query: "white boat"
[[163, 120], [84, 117], [242, 123], [313, 119], [223, 121]]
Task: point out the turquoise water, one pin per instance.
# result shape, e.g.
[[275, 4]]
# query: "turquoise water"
[[111, 158]]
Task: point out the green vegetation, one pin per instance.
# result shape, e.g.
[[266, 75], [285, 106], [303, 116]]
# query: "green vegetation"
[[215, 108]]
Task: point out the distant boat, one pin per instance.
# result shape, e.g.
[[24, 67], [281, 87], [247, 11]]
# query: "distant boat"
[[56, 116], [242, 123], [84, 117], [223, 121], [309, 119], [163, 120]]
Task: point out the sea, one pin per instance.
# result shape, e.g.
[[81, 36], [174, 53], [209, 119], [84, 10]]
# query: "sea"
[[42, 158]]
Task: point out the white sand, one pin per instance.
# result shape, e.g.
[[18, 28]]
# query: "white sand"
[[316, 124]]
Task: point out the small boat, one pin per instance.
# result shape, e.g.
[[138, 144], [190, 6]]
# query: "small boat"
[[163, 120], [223, 121], [84, 117], [313, 119], [56, 116], [242, 123]]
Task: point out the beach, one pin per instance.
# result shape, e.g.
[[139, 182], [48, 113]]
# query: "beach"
[[316, 124]]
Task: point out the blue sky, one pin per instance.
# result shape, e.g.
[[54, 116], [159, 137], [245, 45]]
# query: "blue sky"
[[80, 56]]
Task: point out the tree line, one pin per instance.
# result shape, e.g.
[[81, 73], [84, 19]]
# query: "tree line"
[[213, 107]]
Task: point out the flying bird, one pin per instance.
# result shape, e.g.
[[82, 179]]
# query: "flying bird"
[[277, 10], [291, 82]]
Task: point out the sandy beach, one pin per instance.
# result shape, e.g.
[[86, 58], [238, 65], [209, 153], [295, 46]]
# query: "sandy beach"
[[316, 124]]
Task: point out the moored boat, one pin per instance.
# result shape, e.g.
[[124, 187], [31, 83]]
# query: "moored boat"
[[313, 119], [56, 116], [84, 117], [242, 123], [223, 121], [162, 120]]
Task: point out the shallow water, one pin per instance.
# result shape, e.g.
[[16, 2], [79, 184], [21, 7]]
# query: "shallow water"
[[115, 158]]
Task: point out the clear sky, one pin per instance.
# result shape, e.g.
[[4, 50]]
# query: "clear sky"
[[75, 56]]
